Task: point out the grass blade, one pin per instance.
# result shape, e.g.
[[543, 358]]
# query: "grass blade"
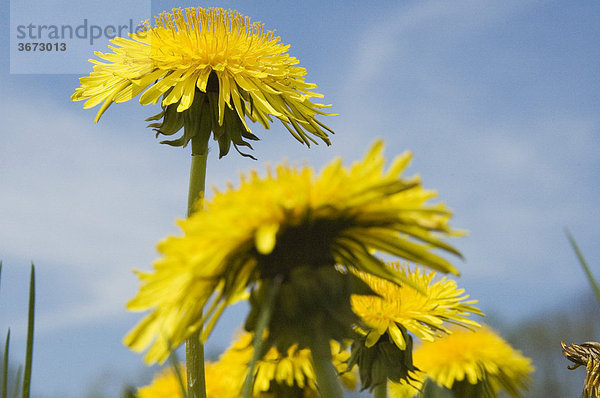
[[30, 327], [584, 265], [17, 382], [5, 366]]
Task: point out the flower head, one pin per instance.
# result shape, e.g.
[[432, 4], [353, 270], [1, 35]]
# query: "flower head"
[[221, 382], [282, 375], [473, 361], [276, 374], [422, 312], [165, 384], [303, 230], [384, 352], [587, 354], [209, 68]]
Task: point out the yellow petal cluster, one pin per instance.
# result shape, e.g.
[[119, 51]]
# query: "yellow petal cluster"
[[472, 357], [404, 389], [268, 225], [176, 60], [293, 369], [221, 382], [225, 378], [424, 312], [165, 384]]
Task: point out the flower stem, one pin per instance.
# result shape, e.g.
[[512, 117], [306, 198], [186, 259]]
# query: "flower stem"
[[325, 372], [194, 349], [197, 174], [380, 391]]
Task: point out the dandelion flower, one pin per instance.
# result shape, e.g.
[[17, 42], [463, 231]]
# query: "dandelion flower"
[[422, 313], [221, 382], [384, 352], [302, 230], [474, 361], [588, 355], [283, 375], [165, 384], [276, 375], [210, 69]]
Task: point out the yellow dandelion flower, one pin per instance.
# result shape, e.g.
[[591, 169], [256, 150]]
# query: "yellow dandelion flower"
[[209, 68], [422, 312], [302, 230], [282, 375], [474, 361], [276, 375], [221, 382], [165, 384]]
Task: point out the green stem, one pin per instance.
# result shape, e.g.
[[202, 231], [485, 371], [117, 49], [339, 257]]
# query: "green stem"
[[325, 372], [197, 174], [194, 349], [380, 391]]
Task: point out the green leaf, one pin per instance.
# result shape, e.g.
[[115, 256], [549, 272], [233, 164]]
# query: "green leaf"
[[5, 366], [30, 327], [584, 265]]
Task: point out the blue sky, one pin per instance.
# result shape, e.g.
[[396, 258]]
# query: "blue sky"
[[497, 100]]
